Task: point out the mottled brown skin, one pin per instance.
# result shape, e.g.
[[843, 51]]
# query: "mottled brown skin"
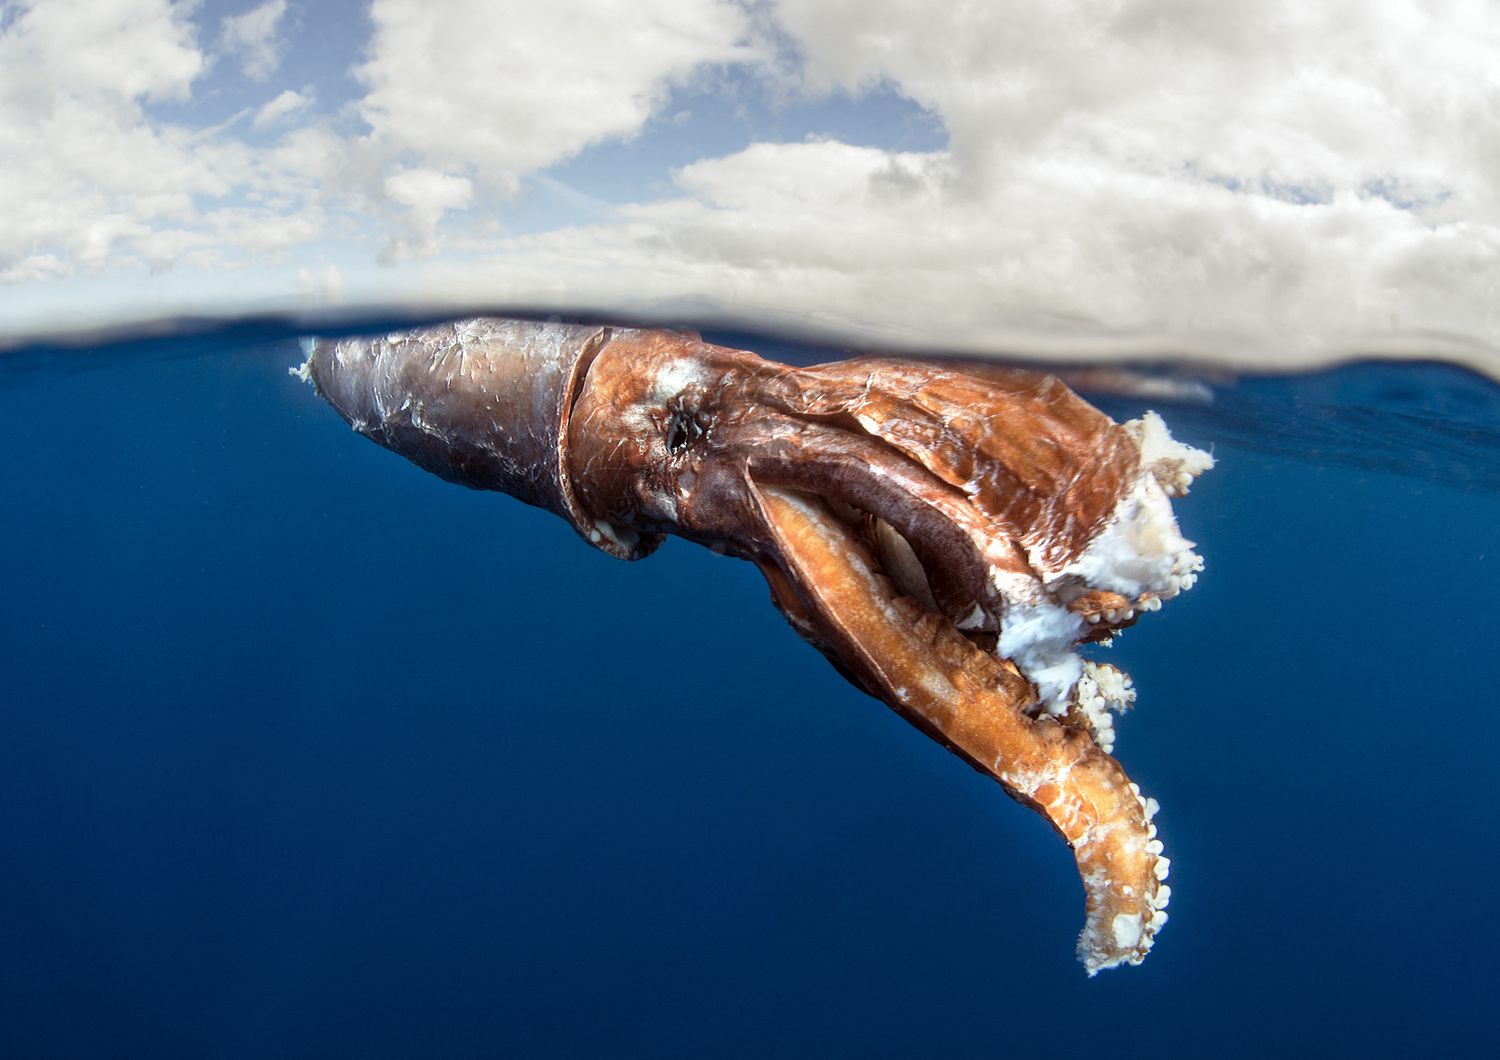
[[1045, 468], [826, 477], [1004, 468]]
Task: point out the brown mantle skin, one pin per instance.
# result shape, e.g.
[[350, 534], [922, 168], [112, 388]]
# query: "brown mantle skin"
[[915, 522]]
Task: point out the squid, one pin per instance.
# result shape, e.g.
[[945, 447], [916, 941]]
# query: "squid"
[[951, 537]]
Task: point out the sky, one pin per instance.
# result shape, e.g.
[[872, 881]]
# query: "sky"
[[1280, 179]]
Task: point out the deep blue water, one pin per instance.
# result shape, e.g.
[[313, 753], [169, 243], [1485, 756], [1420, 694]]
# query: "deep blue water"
[[304, 752]]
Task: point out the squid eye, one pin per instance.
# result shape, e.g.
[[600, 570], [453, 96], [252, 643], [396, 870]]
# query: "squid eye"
[[683, 429]]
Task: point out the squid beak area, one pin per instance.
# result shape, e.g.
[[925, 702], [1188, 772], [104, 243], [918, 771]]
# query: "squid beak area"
[[831, 577]]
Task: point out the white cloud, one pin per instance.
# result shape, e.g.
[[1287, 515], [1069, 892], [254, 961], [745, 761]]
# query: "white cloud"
[[118, 50], [1277, 94], [254, 38], [874, 243], [93, 182], [1277, 172], [1273, 174], [287, 102], [426, 194], [502, 90], [71, 87]]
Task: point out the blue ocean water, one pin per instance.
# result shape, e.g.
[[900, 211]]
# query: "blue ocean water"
[[304, 752]]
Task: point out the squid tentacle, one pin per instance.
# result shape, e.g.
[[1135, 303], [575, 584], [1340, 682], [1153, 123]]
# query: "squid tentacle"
[[947, 535]]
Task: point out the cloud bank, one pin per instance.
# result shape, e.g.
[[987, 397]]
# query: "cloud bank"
[[1276, 178]]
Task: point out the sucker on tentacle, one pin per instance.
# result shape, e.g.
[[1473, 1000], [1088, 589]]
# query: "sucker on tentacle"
[[947, 536]]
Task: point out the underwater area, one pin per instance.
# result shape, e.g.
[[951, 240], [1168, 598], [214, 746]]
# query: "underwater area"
[[306, 752]]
